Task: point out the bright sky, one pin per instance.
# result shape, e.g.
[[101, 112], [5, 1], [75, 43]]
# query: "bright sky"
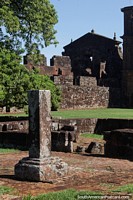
[[78, 17]]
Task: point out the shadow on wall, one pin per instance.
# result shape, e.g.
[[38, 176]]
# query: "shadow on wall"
[[112, 124], [115, 98]]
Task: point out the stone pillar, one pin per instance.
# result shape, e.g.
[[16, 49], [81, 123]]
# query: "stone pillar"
[[40, 123], [40, 166]]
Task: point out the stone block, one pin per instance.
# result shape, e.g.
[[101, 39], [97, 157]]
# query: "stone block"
[[45, 170]]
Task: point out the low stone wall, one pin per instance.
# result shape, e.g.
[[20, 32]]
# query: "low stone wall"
[[14, 139], [11, 123], [95, 125], [79, 97], [119, 143], [14, 130]]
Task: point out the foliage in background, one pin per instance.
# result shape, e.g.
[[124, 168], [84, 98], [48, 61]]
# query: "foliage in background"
[[29, 21], [16, 79], [38, 81]]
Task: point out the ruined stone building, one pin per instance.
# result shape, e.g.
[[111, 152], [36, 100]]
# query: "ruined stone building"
[[93, 71], [97, 56]]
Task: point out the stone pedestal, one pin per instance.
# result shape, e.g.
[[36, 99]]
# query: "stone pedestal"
[[40, 166], [45, 170]]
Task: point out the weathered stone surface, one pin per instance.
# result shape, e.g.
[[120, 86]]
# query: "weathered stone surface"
[[92, 147], [63, 80], [40, 123], [119, 143], [95, 148], [39, 166], [45, 170], [79, 97]]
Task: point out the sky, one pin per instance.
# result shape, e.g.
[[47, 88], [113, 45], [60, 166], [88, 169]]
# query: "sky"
[[78, 17]]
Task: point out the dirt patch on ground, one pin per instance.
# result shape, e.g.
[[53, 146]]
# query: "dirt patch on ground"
[[87, 172]]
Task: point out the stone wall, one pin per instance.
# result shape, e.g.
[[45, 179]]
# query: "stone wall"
[[77, 97], [19, 137], [85, 93], [9, 123], [87, 81], [95, 125], [119, 143], [63, 80], [61, 61], [80, 92]]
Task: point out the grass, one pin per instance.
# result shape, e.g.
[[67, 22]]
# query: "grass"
[[90, 135], [100, 113], [5, 150], [70, 194], [125, 188], [14, 114], [5, 190]]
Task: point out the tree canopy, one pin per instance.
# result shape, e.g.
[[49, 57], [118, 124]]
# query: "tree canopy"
[[29, 21], [16, 80]]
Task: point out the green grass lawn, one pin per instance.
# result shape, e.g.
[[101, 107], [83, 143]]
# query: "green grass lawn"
[[125, 188], [14, 114], [5, 190], [101, 113], [70, 194], [91, 135], [95, 113], [6, 150]]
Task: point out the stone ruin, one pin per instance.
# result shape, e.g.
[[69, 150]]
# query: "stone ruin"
[[40, 165], [93, 71], [94, 67], [78, 92], [119, 143]]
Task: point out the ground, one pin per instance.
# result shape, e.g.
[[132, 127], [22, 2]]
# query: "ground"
[[87, 172]]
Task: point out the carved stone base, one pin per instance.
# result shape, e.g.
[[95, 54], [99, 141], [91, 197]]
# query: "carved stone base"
[[45, 170]]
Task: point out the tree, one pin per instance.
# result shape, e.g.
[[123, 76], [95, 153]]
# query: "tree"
[[16, 80], [38, 81], [29, 21]]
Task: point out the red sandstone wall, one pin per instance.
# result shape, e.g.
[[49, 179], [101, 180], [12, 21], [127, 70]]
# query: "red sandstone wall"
[[76, 97]]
